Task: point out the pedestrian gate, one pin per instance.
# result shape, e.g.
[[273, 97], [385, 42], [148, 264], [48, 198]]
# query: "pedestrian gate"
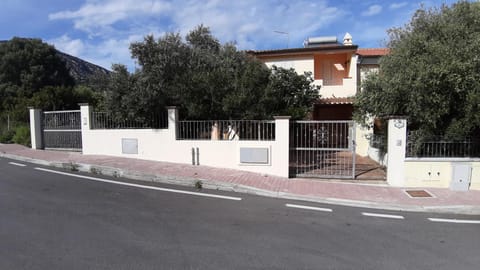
[[62, 130], [322, 149]]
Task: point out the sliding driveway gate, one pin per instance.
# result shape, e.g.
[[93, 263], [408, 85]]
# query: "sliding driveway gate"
[[322, 149], [62, 130]]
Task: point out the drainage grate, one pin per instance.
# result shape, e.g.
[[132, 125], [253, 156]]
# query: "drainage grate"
[[418, 193]]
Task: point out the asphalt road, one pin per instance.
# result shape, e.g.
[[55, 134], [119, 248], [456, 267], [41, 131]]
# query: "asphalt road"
[[60, 221]]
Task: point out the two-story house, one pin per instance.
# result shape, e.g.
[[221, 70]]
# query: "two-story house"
[[369, 61], [333, 66], [339, 68]]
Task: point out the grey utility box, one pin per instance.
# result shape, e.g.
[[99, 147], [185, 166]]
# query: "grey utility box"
[[461, 177], [254, 155], [129, 146]]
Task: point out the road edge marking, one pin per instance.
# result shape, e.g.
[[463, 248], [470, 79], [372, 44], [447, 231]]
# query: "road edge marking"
[[308, 207], [142, 186], [382, 215], [460, 221], [17, 164]]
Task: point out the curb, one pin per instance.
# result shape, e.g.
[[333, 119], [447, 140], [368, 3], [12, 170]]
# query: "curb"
[[222, 186]]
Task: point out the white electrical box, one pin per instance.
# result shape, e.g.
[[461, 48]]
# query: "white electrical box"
[[461, 177]]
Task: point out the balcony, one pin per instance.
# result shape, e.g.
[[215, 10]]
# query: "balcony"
[[345, 87]]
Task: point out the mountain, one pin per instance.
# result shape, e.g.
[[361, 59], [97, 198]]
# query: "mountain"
[[81, 70]]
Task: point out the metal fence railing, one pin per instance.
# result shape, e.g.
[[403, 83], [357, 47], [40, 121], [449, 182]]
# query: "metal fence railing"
[[104, 120], [377, 141], [61, 120], [62, 130], [7, 123], [8, 127], [323, 149], [253, 130], [439, 147]]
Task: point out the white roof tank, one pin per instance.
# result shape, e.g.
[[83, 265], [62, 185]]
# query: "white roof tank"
[[317, 41], [329, 39]]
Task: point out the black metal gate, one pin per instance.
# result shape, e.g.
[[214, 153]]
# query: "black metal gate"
[[62, 130], [322, 149]]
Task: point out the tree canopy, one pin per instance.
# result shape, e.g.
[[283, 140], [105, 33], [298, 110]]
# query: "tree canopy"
[[206, 80], [432, 73], [33, 74], [27, 66]]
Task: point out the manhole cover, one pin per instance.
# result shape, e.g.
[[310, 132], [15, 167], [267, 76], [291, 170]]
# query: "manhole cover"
[[418, 193]]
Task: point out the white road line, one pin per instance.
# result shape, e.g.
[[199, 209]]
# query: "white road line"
[[382, 215], [464, 221], [308, 207], [17, 164], [142, 186]]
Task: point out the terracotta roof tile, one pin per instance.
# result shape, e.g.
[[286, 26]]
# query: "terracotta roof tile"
[[373, 51]]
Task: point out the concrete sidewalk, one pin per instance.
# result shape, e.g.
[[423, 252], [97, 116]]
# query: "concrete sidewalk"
[[349, 193]]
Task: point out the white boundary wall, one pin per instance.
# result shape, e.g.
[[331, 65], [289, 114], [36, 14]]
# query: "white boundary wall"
[[438, 172], [422, 172], [162, 145]]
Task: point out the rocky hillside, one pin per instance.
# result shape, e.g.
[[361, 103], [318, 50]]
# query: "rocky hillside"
[[81, 70]]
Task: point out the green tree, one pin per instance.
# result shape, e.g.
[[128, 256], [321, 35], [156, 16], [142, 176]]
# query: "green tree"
[[53, 98], [289, 94], [124, 97], [206, 80], [432, 73], [26, 67]]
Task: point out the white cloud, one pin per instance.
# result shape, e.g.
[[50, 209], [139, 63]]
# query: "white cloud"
[[109, 24], [65, 44], [372, 10], [246, 22], [95, 15], [251, 23], [105, 53], [398, 5]]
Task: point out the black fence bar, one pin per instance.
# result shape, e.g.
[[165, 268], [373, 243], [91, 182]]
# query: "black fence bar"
[[104, 120], [438, 147], [255, 130]]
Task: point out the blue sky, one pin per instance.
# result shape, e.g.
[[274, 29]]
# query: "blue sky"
[[100, 31]]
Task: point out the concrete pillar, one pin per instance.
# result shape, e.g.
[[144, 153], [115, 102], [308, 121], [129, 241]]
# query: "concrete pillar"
[[85, 116], [397, 140], [282, 145], [36, 128], [362, 143], [172, 122]]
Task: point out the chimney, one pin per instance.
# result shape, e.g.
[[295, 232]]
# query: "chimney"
[[347, 39]]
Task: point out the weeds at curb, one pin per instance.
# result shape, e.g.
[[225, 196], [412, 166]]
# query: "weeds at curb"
[[94, 170], [71, 166], [198, 184]]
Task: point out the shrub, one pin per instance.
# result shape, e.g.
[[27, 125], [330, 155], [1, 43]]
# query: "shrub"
[[6, 136], [22, 136]]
